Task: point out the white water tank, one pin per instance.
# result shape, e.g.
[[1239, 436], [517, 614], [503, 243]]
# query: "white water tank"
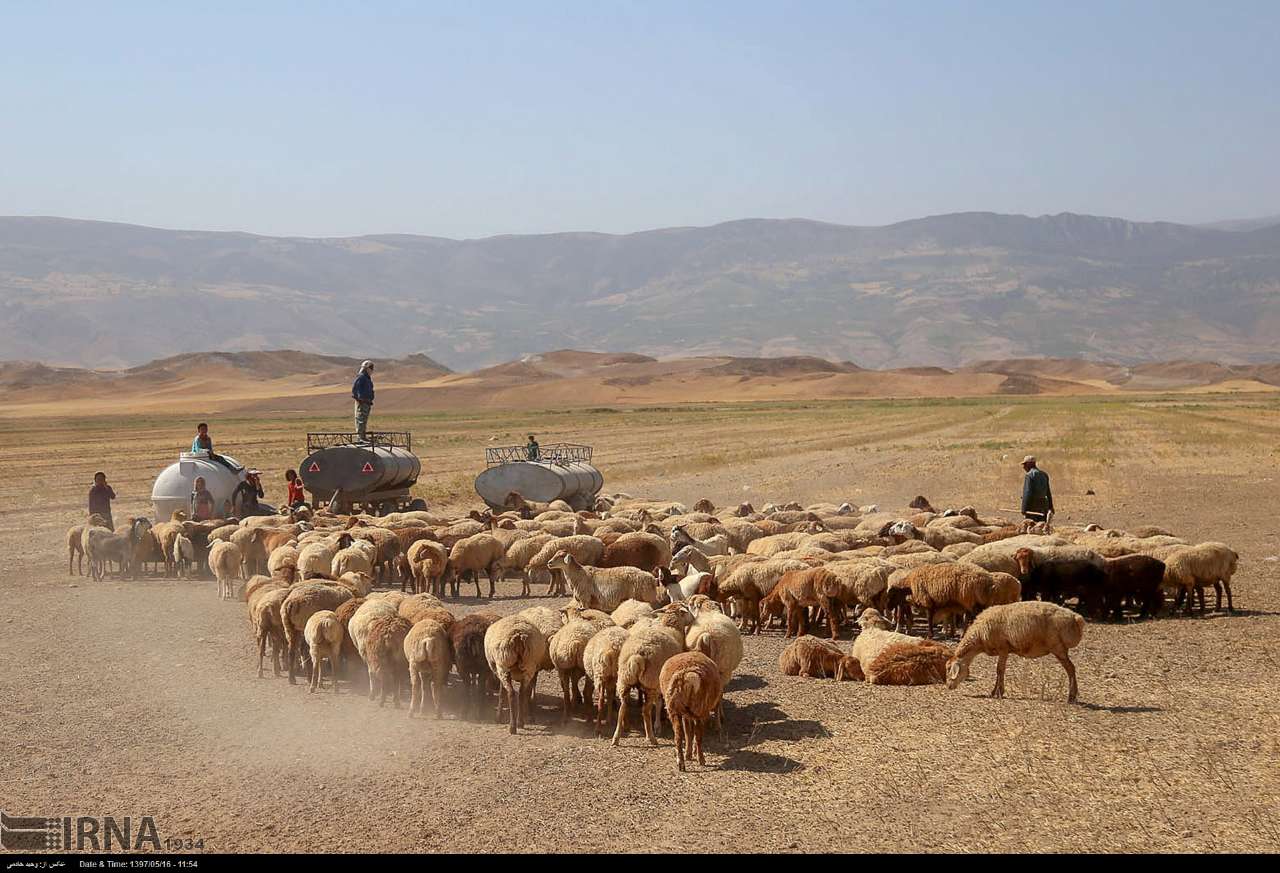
[[174, 484]]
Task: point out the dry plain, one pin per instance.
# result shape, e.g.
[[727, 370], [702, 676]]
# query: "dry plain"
[[140, 697]]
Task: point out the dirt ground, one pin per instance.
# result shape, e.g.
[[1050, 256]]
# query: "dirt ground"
[[141, 697]]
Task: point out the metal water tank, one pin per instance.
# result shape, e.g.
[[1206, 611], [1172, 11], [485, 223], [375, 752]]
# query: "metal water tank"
[[172, 488], [358, 470], [564, 472]]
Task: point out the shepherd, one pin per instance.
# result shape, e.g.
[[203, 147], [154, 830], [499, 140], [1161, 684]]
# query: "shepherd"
[[1037, 499], [362, 394]]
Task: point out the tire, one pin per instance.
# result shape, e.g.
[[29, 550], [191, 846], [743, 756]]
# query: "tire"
[[417, 505], [387, 507]]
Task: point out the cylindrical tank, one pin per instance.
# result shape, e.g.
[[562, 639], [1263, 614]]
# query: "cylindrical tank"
[[576, 483], [172, 489], [357, 470]]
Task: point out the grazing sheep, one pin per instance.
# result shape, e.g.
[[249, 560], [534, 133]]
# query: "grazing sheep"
[[692, 689], [751, 581], [648, 646], [323, 634], [905, 664], [227, 563], [469, 556], [1030, 629], [385, 651], [1056, 574], [514, 648], [428, 651], [997, 557], [466, 638], [604, 588], [817, 658], [1194, 567], [600, 662], [641, 549], [801, 589], [304, 601]]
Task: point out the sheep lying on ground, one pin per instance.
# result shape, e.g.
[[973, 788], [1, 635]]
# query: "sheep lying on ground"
[[1194, 567], [876, 636], [908, 664], [1030, 629], [692, 689], [323, 634], [817, 658]]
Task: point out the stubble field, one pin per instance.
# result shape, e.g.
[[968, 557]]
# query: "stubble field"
[[141, 697]]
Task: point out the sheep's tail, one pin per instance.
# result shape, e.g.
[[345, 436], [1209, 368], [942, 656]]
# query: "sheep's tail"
[[706, 644], [1075, 632], [686, 688], [286, 618], [630, 670]]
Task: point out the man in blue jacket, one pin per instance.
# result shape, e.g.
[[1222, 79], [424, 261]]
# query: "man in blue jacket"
[[1037, 499], [362, 394]]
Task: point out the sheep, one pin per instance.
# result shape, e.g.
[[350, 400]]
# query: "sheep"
[[1056, 574], [303, 602], [386, 655], [566, 647], [75, 544], [264, 616], [466, 640], [352, 560], [316, 558], [816, 658], [427, 561], [696, 582], [718, 544], [1029, 629], [323, 635], [514, 648], [801, 589], [428, 651], [586, 550], [906, 664], [358, 626], [548, 621], [1137, 578], [642, 550], [1193, 567], [283, 561], [875, 636], [469, 556], [692, 689], [751, 581], [998, 556], [604, 588], [101, 546], [958, 588], [688, 559], [648, 646], [227, 563], [629, 612], [344, 613], [861, 581], [600, 662], [419, 606], [717, 636], [182, 556], [519, 554]]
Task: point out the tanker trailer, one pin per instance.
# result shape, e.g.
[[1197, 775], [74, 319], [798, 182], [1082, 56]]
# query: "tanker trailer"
[[562, 472], [172, 488], [372, 476]]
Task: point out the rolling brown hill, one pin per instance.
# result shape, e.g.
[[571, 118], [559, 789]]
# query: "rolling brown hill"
[[298, 382]]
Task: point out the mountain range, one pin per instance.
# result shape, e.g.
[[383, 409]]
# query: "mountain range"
[[941, 291]]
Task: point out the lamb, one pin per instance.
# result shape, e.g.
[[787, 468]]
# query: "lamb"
[[466, 638], [875, 637], [715, 635], [816, 658], [566, 647], [715, 545], [428, 651], [692, 689], [183, 556], [227, 562], [385, 652], [514, 648], [469, 556], [1030, 629], [1194, 567], [958, 588], [600, 662], [648, 646], [905, 664], [604, 588], [304, 601], [323, 634]]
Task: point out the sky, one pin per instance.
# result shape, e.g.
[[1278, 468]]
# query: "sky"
[[468, 120]]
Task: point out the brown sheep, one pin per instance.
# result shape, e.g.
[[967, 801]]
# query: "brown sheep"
[[642, 550], [429, 653], [466, 638], [905, 664], [691, 688], [816, 658], [801, 589], [304, 601], [387, 662]]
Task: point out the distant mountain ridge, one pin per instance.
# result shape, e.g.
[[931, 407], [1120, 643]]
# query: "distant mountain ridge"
[[937, 291]]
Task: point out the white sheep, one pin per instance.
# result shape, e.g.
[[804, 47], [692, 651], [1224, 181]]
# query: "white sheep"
[[604, 588], [227, 563], [323, 634], [514, 648], [600, 662], [1029, 629], [648, 646], [430, 655], [183, 556], [717, 636]]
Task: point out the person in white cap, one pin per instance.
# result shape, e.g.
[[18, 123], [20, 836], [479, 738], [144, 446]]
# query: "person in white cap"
[[1037, 499], [362, 394]]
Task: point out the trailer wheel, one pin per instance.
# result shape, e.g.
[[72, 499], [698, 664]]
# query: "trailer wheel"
[[418, 505], [387, 507]]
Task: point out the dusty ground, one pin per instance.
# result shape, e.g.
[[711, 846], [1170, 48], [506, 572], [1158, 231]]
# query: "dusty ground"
[[140, 697]]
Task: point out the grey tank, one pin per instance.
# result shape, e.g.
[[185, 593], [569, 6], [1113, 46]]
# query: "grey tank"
[[357, 470], [577, 482]]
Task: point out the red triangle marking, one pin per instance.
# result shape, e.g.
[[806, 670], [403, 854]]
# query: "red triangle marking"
[[314, 468], [367, 468]]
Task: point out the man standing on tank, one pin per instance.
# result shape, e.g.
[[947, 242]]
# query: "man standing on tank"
[[362, 394]]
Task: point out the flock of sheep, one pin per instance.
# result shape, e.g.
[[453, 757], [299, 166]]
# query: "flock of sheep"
[[661, 596]]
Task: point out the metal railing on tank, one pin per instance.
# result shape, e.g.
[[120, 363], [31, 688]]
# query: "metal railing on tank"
[[557, 453], [390, 438]]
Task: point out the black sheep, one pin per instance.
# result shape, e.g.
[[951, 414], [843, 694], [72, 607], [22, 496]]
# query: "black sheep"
[[1136, 578], [1055, 581]]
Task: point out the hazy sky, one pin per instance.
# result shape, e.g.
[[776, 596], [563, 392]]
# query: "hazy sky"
[[467, 120]]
